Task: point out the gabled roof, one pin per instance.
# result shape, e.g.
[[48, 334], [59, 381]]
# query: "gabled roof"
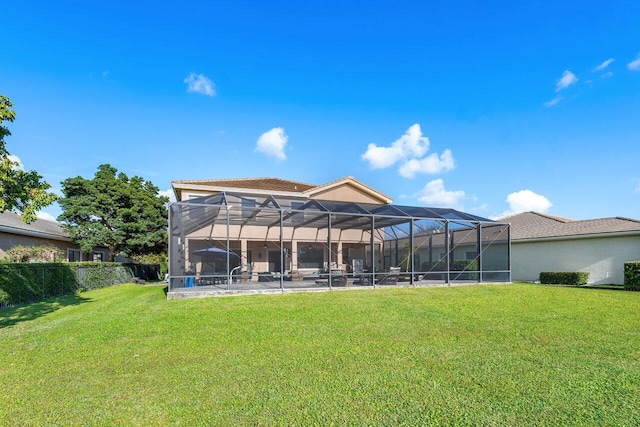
[[533, 225], [349, 180], [274, 186], [11, 222]]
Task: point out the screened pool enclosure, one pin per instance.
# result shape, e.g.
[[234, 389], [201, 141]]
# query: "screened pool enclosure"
[[230, 242]]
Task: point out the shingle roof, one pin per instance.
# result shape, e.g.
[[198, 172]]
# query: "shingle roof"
[[269, 184], [276, 185], [533, 225], [10, 222]]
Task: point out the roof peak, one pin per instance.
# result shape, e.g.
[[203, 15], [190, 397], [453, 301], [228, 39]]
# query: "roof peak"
[[540, 214]]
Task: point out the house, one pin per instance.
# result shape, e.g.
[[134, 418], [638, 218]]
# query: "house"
[[41, 232], [288, 230], [541, 242]]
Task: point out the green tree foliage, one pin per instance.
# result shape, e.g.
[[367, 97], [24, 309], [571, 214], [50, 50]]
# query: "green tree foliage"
[[20, 190], [160, 259], [126, 215]]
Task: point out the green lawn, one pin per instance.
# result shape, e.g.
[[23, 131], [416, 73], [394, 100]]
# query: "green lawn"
[[474, 355]]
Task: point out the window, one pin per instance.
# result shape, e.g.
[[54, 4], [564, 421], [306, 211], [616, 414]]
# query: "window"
[[470, 255], [310, 257], [73, 255], [97, 256]]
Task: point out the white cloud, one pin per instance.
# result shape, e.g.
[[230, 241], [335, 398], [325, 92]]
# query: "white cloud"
[[199, 83], [434, 194], [45, 215], [607, 75], [604, 64], [411, 144], [635, 64], [17, 162], [408, 150], [553, 102], [272, 143], [478, 209], [567, 79], [524, 201], [431, 164], [168, 193]]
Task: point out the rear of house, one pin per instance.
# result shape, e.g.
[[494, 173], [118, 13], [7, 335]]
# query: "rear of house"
[[234, 233]]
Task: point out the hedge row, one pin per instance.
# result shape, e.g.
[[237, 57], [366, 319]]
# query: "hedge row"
[[574, 278], [29, 282], [632, 276], [456, 265]]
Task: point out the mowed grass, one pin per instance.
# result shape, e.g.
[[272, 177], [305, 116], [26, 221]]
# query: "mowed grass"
[[476, 355]]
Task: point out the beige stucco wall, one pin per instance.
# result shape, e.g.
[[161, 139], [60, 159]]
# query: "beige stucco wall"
[[602, 257], [346, 193]]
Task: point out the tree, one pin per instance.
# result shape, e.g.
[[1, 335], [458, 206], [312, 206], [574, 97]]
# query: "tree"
[[23, 191], [126, 215]]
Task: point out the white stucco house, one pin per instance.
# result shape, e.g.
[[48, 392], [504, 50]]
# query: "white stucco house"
[[541, 242]]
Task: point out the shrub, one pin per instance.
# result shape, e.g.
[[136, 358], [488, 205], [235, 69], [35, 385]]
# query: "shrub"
[[26, 282], [44, 253], [96, 275], [439, 265], [150, 259], [465, 265], [468, 268], [470, 265], [632, 276], [573, 278], [29, 282]]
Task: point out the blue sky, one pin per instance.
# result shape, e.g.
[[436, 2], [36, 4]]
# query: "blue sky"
[[491, 107]]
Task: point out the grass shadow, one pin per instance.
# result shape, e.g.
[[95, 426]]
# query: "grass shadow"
[[10, 316], [610, 287], [607, 286]]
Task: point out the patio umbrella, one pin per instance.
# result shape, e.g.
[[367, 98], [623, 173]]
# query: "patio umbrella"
[[214, 252]]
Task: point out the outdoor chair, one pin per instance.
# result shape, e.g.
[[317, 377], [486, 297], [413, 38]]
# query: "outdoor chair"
[[389, 278]]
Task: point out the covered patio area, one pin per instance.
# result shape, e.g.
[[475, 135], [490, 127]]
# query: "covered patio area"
[[231, 243]]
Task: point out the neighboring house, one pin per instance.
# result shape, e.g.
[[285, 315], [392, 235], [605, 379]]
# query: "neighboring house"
[[541, 242], [41, 232], [272, 225]]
